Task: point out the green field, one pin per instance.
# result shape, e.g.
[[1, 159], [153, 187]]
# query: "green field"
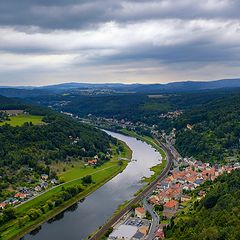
[[21, 119], [100, 175]]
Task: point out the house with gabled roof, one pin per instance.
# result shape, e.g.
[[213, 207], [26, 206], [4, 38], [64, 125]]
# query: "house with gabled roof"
[[170, 208], [3, 205]]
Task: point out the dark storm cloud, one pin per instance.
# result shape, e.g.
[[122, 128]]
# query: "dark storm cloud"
[[40, 38], [72, 14]]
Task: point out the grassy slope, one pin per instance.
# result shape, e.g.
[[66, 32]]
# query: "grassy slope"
[[100, 176], [81, 170], [21, 119]]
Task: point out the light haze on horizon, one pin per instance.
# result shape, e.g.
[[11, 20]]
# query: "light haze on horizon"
[[143, 41]]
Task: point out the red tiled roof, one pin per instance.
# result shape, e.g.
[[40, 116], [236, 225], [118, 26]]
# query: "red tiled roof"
[[159, 234], [20, 195], [140, 210], [3, 204], [171, 204], [92, 161], [153, 200]]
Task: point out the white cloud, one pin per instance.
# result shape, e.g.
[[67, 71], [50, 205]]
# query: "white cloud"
[[111, 36], [122, 40]]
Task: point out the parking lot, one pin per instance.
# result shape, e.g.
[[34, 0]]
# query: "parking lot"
[[137, 222]]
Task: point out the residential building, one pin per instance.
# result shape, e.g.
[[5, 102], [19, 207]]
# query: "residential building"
[[20, 195], [170, 209], [140, 212], [92, 162], [44, 177], [3, 205]]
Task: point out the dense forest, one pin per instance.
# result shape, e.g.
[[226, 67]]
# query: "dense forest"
[[216, 130], [214, 115], [130, 106], [27, 151], [215, 217]]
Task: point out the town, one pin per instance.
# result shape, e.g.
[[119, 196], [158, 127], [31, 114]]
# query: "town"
[[171, 196]]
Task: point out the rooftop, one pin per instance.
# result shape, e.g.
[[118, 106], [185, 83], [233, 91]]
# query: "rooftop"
[[123, 231], [140, 210], [171, 204]]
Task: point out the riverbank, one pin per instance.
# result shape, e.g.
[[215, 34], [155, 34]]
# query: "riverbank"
[[12, 230], [152, 181], [159, 167]]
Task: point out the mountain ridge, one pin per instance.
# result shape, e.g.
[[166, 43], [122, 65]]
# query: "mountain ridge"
[[184, 86]]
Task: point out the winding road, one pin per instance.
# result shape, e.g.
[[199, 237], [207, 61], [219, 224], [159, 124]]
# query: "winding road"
[[155, 219]]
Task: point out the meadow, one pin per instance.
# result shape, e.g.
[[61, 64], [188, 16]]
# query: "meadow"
[[72, 177], [19, 120]]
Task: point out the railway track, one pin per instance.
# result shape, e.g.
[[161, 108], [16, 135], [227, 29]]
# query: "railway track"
[[139, 197]]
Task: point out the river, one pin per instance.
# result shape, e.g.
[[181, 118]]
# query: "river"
[[80, 220]]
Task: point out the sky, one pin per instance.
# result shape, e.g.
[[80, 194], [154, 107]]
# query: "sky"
[[143, 41]]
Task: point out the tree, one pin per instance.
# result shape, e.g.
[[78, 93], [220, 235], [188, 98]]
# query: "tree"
[[87, 179], [34, 214], [9, 214]]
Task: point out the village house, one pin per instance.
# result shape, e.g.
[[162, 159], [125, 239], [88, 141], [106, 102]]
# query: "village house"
[[3, 205], [43, 185], [169, 194], [20, 195], [54, 181], [44, 177], [189, 187], [11, 201], [209, 174], [185, 198], [159, 234], [163, 185], [140, 212], [170, 209], [37, 188], [202, 193], [92, 162], [154, 200], [189, 126]]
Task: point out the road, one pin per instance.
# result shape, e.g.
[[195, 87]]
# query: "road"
[[155, 219], [59, 185], [139, 197]]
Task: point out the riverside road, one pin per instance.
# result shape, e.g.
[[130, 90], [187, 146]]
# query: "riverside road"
[[139, 197]]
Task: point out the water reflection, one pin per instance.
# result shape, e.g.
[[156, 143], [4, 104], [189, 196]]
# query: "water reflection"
[[85, 217], [35, 231]]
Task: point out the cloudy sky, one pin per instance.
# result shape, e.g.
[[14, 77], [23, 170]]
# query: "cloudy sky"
[[52, 41]]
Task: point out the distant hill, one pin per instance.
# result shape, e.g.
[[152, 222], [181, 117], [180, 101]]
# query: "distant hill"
[[169, 87], [187, 86], [22, 93]]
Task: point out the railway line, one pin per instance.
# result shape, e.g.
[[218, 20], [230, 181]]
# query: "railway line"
[[139, 197]]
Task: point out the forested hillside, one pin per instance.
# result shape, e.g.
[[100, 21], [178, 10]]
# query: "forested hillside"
[[214, 116], [27, 151], [216, 217], [216, 130]]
